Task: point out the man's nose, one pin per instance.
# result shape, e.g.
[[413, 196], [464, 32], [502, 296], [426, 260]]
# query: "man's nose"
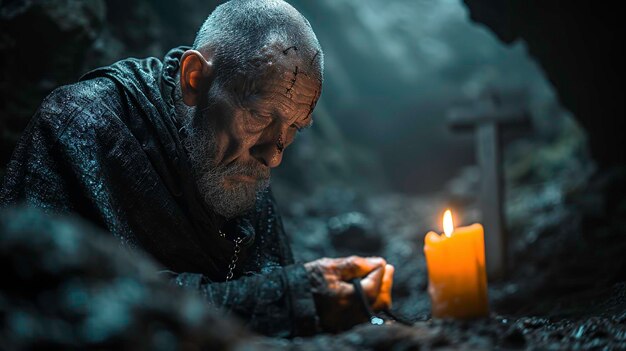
[[269, 153]]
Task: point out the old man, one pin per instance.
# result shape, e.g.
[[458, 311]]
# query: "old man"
[[173, 157]]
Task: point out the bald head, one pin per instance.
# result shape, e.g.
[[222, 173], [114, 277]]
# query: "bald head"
[[242, 36]]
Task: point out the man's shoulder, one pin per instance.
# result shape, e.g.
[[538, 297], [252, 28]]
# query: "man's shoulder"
[[82, 104], [69, 99]]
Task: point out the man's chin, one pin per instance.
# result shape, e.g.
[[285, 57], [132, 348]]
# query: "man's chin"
[[231, 211], [237, 198]]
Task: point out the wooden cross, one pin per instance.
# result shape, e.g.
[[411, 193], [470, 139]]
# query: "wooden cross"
[[488, 118]]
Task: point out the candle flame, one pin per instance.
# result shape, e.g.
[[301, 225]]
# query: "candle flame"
[[448, 225]]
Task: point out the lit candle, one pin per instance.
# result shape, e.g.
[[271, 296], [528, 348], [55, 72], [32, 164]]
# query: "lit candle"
[[457, 282]]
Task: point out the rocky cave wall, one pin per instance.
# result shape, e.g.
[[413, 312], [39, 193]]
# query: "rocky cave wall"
[[580, 46], [46, 44]]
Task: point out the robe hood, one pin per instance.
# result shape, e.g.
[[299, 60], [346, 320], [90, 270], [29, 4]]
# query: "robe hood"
[[148, 86]]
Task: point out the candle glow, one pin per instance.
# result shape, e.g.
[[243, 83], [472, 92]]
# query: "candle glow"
[[457, 282]]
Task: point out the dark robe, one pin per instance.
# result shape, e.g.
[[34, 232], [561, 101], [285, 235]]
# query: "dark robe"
[[108, 149]]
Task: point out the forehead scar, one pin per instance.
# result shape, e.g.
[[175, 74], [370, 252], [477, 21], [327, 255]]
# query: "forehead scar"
[[293, 83]]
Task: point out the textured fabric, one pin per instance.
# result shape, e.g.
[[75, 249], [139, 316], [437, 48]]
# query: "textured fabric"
[[108, 149]]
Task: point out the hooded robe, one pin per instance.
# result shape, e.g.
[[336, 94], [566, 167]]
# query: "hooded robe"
[[108, 149]]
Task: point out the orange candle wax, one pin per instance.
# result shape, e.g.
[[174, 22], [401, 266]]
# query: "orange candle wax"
[[457, 282]]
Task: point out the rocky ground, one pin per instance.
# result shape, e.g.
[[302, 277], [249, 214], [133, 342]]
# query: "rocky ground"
[[557, 296], [68, 287]]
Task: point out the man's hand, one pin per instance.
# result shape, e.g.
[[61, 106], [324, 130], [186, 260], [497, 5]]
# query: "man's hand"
[[336, 303]]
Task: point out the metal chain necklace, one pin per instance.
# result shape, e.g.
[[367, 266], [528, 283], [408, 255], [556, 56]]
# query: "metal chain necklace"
[[233, 261]]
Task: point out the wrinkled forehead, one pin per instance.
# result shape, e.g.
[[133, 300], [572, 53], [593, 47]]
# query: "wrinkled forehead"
[[287, 85], [295, 85]]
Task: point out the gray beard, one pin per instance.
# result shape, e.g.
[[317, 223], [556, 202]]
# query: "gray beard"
[[210, 179]]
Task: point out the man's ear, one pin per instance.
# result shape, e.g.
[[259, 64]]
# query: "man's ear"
[[196, 75]]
